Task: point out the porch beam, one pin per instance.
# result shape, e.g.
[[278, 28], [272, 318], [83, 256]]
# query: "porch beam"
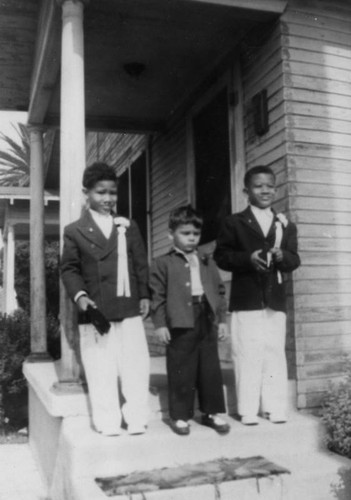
[[46, 63], [273, 6], [114, 124]]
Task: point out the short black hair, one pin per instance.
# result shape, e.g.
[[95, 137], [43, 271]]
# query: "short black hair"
[[259, 169], [185, 215], [96, 172]]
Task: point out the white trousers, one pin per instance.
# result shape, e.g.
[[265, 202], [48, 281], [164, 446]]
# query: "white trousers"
[[123, 354], [260, 368]]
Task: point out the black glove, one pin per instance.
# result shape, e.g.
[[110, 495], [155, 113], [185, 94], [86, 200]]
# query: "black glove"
[[98, 320]]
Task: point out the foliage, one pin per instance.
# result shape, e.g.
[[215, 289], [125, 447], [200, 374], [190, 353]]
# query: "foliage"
[[15, 333], [15, 158], [14, 348], [22, 276], [336, 415]]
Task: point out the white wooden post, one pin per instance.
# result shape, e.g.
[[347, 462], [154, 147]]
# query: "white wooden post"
[[10, 301], [38, 334], [72, 165]]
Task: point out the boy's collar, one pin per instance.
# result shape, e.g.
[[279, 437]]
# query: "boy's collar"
[[95, 213], [178, 250], [264, 210]]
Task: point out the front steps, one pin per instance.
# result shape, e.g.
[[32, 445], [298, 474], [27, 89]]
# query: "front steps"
[[82, 455]]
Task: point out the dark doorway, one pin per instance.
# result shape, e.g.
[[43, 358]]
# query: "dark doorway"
[[212, 164]]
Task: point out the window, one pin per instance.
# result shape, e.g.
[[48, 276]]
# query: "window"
[[132, 194]]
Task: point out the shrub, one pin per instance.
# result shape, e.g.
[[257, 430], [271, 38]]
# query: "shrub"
[[336, 416], [22, 275], [14, 348]]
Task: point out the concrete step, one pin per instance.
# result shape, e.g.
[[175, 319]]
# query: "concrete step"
[[126, 453], [296, 445], [78, 454]]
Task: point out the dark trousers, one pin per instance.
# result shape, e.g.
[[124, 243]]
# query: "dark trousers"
[[193, 364]]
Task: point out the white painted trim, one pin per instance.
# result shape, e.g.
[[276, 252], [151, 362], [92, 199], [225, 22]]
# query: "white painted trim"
[[237, 140], [148, 154]]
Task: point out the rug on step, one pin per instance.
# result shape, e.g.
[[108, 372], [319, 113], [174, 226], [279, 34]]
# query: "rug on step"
[[211, 472]]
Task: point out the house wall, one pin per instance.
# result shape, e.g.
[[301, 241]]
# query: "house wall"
[[316, 53], [168, 181], [303, 61]]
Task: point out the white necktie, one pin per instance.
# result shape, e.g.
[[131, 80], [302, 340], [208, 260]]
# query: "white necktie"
[[123, 286]]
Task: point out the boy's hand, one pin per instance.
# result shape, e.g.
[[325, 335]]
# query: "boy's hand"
[[144, 307], [163, 335], [222, 331], [258, 263], [277, 254], [84, 302]]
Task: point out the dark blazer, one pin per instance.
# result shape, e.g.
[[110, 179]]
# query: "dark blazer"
[[240, 236], [89, 263], [170, 285]]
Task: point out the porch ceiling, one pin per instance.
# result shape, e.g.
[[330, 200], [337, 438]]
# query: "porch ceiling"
[[177, 43]]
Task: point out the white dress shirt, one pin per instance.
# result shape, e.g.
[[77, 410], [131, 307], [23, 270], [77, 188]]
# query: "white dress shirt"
[[264, 217], [195, 279], [103, 221]]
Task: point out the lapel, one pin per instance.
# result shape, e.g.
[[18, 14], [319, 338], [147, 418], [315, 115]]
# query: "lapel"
[[250, 221], [92, 233], [204, 266]]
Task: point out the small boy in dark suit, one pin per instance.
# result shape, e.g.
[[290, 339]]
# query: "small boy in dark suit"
[[257, 246], [104, 267], [188, 309]]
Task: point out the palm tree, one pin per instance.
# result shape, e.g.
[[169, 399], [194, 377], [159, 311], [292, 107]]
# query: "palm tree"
[[15, 158]]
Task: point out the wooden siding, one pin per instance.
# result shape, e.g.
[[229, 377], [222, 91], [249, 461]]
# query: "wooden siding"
[[168, 181], [316, 52], [118, 150]]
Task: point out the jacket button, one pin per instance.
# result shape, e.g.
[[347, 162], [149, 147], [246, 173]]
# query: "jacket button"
[[187, 283], [190, 304], [92, 245], [186, 265]]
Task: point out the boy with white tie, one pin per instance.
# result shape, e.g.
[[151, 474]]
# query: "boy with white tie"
[[104, 266]]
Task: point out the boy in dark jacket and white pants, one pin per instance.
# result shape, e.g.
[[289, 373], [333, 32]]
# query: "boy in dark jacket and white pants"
[[189, 312], [257, 246], [104, 266]]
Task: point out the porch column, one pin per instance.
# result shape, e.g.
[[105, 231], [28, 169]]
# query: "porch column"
[[10, 301], [38, 334], [72, 165]]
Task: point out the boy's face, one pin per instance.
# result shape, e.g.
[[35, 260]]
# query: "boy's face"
[[186, 237], [102, 197], [261, 191]]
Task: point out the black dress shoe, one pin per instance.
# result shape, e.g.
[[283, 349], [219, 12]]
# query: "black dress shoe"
[[180, 428], [215, 423]]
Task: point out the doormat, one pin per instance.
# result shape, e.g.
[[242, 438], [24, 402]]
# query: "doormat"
[[211, 472]]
